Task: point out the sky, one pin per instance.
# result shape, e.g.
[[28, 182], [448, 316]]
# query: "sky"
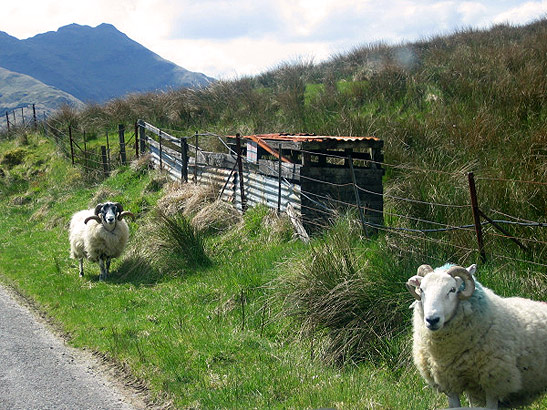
[[228, 39]]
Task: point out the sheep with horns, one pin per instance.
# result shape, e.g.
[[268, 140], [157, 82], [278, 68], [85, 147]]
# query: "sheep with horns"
[[99, 235], [468, 339]]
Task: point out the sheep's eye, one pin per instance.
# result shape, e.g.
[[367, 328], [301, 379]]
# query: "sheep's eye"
[[421, 290], [453, 290]]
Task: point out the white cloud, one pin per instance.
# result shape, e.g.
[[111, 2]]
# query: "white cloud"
[[226, 38], [523, 13]]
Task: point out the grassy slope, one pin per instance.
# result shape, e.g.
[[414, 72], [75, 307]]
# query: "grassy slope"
[[182, 335]]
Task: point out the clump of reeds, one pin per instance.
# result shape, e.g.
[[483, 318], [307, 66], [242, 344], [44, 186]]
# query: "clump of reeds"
[[350, 298]]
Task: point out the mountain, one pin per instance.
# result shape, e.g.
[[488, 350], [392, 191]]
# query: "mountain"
[[20, 90], [94, 64]]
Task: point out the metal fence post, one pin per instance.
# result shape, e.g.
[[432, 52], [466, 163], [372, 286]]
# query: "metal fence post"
[[476, 214], [121, 136]]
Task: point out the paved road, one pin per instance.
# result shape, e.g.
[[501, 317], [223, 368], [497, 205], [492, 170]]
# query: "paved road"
[[38, 371]]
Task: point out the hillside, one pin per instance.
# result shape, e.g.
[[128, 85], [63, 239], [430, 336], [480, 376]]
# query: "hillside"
[[19, 90], [93, 64], [236, 313]]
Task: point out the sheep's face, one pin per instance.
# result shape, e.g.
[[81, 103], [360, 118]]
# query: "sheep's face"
[[439, 294], [108, 212]]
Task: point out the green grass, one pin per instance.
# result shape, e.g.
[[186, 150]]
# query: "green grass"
[[259, 320], [217, 336]]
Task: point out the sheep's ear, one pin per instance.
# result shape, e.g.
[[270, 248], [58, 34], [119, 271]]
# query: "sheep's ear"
[[413, 284], [415, 281], [472, 269]]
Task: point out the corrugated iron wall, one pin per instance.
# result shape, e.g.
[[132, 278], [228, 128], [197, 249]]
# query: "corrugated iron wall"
[[259, 188]]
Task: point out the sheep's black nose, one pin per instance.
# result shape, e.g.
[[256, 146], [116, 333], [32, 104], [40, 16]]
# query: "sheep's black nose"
[[432, 321]]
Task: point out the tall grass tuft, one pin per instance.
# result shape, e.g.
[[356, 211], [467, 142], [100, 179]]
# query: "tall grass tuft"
[[179, 242], [349, 296]]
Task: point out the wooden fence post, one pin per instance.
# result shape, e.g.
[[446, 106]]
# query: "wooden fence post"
[[142, 136], [184, 159], [161, 149], [7, 120], [71, 143], [34, 117], [476, 214], [121, 136], [104, 161], [22, 116], [136, 140], [240, 172]]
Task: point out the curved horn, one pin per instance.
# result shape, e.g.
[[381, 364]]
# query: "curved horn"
[[98, 209], [124, 214], [94, 217], [468, 280], [119, 206], [424, 270]]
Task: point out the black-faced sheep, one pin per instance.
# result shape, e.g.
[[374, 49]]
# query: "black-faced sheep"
[[99, 235], [468, 339]]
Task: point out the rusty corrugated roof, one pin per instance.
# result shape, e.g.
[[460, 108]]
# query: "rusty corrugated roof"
[[304, 137]]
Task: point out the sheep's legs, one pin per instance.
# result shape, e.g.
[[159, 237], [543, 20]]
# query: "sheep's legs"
[[104, 264], [81, 268], [104, 270], [453, 400]]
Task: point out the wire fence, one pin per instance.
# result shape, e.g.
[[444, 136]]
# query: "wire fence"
[[409, 233], [95, 155], [21, 118], [406, 220]]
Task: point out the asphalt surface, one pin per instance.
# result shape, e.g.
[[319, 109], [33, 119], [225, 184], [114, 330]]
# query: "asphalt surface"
[[38, 371]]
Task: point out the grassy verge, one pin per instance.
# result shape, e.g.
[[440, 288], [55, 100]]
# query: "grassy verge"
[[211, 332]]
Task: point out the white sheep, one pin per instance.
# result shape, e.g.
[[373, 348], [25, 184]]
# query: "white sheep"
[[468, 339], [99, 235]]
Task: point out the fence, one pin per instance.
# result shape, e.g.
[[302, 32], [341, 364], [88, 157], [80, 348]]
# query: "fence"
[[20, 117], [280, 186], [98, 160], [283, 187]]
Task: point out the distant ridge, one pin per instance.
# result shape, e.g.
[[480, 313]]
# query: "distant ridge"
[[93, 64], [20, 90]]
